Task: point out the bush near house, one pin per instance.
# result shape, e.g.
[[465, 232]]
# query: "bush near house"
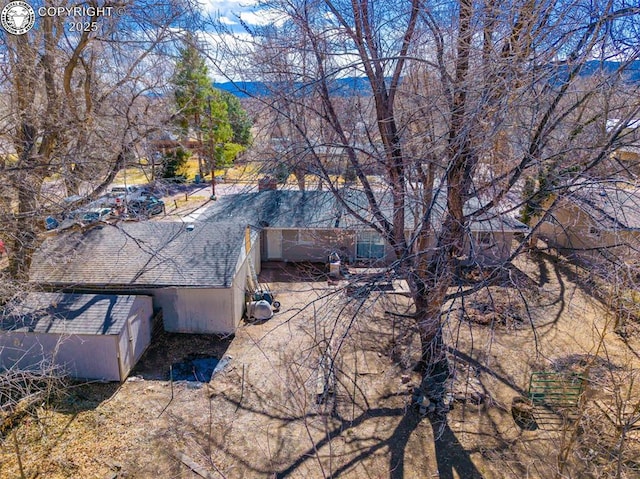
[[174, 162]]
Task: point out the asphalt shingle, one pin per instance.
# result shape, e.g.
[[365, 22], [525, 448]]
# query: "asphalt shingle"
[[321, 209], [60, 313], [610, 205], [277, 209], [491, 220], [149, 253]]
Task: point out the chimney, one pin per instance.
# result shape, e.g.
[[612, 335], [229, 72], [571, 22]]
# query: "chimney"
[[267, 183]]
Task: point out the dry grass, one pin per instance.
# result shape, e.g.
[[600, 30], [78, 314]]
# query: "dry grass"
[[133, 176], [260, 416], [243, 172]]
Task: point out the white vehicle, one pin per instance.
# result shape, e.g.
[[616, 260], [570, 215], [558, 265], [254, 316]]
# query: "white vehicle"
[[123, 190], [95, 214], [121, 193]]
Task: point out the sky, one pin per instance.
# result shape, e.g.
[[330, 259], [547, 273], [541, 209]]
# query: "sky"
[[228, 12], [233, 14]]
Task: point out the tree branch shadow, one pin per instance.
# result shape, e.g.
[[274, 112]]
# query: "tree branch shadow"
[[450, 454]]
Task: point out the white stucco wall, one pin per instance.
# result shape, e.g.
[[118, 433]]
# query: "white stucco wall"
[[576, 232], [82, 356], [239, 286], [136, 335], [497, 251], [196, 310], [208, 310], [238, 291]]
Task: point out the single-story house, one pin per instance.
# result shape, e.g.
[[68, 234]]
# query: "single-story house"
[[627, 154], [196, 273], [488, 236], [89, 336], [598, 220], [332, 158], [295, 225], [309, 225], [628, 159]]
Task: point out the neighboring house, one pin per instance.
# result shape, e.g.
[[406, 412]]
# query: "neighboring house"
[[333, 158], [296, 225], [309, 225], [627, 155], [168, 142], [89, 336], [596, 219], [628, 158], [196, 273]]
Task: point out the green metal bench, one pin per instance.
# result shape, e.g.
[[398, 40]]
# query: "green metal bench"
[[555, 396]]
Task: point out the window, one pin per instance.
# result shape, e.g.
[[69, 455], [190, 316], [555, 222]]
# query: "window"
[[369, 245], [485, 239]]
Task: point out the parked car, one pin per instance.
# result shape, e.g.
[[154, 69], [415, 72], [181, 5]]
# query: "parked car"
[[146, 206], [96, 214], [180, 179], [50, 223], [123, 190], [122, 193]]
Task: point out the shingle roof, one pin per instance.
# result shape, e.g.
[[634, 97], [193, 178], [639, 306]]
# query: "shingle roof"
[[492, 220], [149, 253], [610, 205], [321, 209], [276, 209], [60, 313]]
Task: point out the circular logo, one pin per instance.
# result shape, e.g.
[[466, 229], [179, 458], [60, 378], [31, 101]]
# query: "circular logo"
[[17, 17]]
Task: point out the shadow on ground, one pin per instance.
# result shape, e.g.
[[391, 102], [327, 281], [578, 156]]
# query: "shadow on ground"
[[281, 272], [168, 349]]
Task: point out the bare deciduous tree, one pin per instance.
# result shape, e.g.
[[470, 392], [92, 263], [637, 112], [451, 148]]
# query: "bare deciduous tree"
[[462, 99], [75, 107]]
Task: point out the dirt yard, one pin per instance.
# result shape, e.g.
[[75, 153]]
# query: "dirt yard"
[[261, 416]]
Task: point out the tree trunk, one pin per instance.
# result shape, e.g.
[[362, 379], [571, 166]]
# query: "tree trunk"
[[300, 178], [429, 297], [72, 179], [25, 235]]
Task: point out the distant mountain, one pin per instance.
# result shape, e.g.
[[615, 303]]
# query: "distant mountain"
[[351, 86], [244, 89], [593, 67], [632, 71], [341, 87]]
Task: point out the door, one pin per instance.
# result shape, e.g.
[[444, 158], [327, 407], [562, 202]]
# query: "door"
[[126, 353], [274, 244]]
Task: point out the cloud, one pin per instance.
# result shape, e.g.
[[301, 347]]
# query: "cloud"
[[259, 18], [227, 54], [227, 8], [227, 21], [233, 12]]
